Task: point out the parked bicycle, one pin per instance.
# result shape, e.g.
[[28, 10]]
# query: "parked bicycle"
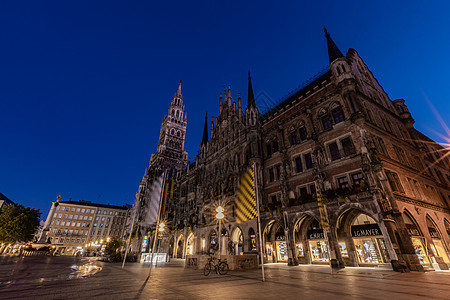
[[221, 267]]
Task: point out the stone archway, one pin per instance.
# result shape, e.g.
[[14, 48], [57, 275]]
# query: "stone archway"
[[417, 238], [236, 244], [300, 239], [190, 245], [180, 246], [274, 242], [360, 239], [437, 246]]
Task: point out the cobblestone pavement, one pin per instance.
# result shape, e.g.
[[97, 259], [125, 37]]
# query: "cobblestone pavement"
[[87, 278]]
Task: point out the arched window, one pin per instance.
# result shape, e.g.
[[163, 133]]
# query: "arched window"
[[173, 112], [325, 119], [177, 114], [178, 134], [338, 115], [172, 132]]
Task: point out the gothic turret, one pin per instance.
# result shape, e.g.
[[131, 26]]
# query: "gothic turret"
[[170, 153], [205, 131], [333, 50], [251, 111]]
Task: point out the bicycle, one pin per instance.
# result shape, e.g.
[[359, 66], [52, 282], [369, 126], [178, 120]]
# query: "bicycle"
[[221, 267]]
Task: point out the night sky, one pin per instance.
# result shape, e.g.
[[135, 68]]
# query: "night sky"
[[84, 85]]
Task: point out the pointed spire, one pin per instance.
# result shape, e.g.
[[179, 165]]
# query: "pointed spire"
[[229, 95], [205, 130], [251, 97], [179, 90], [333, 50]]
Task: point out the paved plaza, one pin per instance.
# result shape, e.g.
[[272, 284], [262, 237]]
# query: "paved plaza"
[[87, 278]]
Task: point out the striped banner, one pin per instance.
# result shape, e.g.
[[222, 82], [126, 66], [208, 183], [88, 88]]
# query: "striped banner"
[[246, 203], [323, 217], [154, 201]]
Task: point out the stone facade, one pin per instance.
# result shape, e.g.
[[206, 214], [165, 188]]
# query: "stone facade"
[[344, 178]]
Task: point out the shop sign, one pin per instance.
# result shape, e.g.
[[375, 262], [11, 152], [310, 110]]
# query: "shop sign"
[[412, 230], [280, 238], [433, 232], [365, 230], [316, 234]]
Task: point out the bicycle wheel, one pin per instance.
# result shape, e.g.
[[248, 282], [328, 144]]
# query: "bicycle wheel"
[[207, 269], [223, 268]]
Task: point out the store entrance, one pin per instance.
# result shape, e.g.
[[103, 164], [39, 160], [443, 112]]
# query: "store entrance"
[[437, 245], [317, 244], [417, 239], [368, 240]]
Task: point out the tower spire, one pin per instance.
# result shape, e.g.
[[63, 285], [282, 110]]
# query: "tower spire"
[[251, 96], [179, 90], [205, 130], [333, 50]]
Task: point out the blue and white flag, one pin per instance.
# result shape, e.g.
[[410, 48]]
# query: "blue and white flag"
[[154, 201]]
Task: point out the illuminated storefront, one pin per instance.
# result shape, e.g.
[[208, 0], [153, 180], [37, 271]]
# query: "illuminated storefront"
[[280, 243], [417, 239], [269, 252], [369, 244], [437, 245], [318, 246], [370, 247]]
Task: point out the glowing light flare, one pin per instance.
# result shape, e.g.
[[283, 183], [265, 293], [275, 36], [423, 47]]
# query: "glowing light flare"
[[445, 150], [161, 226], [220, 214]]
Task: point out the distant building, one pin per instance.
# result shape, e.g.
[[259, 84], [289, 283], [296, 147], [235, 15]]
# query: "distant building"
[[4, 201], [77, 225]]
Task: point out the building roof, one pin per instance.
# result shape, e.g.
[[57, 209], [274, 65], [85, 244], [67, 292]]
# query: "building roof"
[[324, 75], [89, 203], [6, 199]]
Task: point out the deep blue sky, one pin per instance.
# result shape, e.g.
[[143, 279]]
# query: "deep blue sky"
[[84, 85]]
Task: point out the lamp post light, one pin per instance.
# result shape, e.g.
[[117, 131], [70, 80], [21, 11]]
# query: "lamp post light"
[[220, 216]]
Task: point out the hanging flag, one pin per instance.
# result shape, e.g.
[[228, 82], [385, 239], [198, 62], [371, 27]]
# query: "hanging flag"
[[171, 188], [164, 198], [154, 201], [246, 203], [323, 217]]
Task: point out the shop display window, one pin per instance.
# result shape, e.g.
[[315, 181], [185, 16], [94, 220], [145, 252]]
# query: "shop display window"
[[439, 248], [343, 248], [300, 252], [319, 251], [367, 251], [269, 251], [282, 251], [420, 250]]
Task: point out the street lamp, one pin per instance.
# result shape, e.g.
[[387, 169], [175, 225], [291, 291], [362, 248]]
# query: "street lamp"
[[108, 239], [161, 226], [220, 216]]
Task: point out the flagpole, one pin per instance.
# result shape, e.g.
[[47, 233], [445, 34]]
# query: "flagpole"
[[157, 222], [131, 230], [258, 221]]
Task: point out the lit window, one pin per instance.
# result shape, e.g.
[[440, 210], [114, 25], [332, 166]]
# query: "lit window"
[[357, 178], [342, 182]]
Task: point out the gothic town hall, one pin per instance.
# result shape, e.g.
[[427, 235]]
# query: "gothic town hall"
[[337, 144]]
